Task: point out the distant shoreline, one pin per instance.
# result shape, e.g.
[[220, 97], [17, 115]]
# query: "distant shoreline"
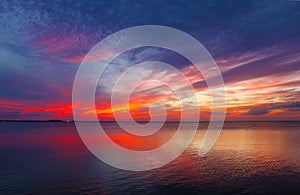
[[72, 121]]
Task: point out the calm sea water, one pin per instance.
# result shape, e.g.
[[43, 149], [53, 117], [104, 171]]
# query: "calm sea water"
[[249, 157]]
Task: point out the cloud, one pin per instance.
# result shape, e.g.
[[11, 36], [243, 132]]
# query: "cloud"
[[286, 61], [41, 42], [288, 105], [258, 111], [267, 108]]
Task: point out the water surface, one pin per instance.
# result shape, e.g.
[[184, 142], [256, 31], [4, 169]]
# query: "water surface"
[[249, 157]]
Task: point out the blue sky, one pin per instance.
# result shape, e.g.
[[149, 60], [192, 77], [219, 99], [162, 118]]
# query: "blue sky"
[[253, 42]]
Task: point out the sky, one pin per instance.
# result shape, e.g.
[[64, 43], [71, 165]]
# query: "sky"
[[256, 45]]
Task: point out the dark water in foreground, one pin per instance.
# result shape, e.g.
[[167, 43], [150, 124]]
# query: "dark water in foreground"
[[249, 157]]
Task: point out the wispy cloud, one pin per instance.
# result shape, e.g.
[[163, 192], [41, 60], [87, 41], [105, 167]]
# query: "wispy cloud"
[[255, 44]]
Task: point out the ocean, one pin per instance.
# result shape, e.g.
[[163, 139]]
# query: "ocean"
[[248, 157]]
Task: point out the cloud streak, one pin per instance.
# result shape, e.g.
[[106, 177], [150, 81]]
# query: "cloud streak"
[[255, 44]]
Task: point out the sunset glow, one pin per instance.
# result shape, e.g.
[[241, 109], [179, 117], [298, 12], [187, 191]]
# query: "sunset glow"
[[38, 66]]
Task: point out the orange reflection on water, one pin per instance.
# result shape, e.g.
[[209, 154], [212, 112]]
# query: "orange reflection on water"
[[134, 142]]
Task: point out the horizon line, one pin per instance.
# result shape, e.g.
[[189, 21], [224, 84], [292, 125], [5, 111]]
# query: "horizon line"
[[139, 121]]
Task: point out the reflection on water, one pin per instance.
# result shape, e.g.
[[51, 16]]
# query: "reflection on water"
[[248, 157]]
